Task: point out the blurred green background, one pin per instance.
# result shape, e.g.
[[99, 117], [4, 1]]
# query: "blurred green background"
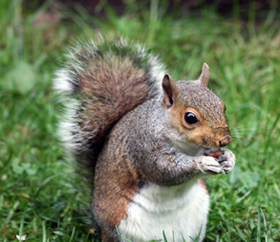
[[40, 195]]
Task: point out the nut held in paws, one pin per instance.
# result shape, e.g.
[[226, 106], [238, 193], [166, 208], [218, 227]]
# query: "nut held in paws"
[[216, 154]]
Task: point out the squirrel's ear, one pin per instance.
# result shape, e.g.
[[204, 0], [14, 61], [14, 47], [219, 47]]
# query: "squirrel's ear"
[[204, 76], [170, 91]]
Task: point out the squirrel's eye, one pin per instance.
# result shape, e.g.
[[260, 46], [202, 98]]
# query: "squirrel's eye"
[[190, 118]]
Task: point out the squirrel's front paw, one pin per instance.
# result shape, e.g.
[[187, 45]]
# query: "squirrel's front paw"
[[210, 165], [227, 160]]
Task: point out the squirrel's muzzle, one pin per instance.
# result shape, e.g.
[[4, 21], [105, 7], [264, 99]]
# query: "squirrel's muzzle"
[[225, 141]]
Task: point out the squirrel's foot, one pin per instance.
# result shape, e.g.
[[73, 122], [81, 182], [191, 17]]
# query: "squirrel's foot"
[[210, 165], [226, 160]]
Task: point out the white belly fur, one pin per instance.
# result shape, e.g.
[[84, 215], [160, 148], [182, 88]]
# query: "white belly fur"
[[177, 210]]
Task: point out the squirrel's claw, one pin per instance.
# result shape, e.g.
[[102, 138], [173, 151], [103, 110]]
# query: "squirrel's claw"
[[227, 160], [210, 165]]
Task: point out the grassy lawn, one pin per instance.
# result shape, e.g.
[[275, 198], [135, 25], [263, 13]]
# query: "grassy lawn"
[[40, 195]]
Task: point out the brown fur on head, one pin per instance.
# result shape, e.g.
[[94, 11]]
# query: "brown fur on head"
[[196, 111]]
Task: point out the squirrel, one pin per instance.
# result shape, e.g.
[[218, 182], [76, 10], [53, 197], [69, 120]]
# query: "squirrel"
[[144, 142]]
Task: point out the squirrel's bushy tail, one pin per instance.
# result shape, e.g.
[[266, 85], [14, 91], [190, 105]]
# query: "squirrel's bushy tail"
[[99, 84]]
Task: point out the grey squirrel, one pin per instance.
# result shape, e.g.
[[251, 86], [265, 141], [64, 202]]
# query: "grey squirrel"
[[144, 142]]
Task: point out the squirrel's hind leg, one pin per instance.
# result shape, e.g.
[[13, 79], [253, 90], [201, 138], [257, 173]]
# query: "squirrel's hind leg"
[[107, 238], [104, 235]]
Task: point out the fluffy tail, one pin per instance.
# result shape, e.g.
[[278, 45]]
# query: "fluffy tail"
[[99, 84]]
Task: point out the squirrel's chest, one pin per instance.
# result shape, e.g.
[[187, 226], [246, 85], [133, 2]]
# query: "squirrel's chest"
[[178, 211]]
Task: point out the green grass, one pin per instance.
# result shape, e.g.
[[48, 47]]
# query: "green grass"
[[41, 197]]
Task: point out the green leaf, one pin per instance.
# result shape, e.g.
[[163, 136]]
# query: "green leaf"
[[250, 179], [18, 169], [20, 79]]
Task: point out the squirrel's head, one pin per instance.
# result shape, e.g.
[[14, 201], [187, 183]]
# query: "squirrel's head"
[[197, 115]]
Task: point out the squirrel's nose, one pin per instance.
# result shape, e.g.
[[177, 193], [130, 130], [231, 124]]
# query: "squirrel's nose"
[[225, 141]]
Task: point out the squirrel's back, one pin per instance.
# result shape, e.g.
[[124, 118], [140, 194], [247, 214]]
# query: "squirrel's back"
[[99, 83]]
